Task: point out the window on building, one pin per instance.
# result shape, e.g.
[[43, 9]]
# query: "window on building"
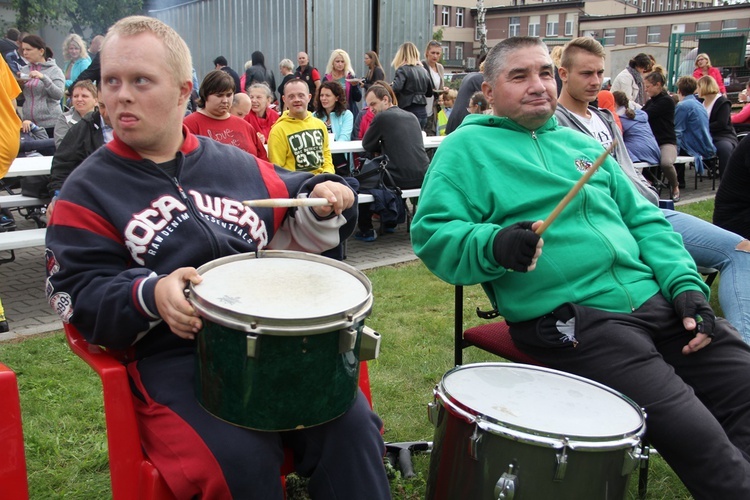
[[609, 37], [534, 25], [477, 33], [569, 22], [729, 24], [459, 17], [669, 4], [446, 16], [446, 52], [652, 5], [654, 34], [643, 6], [553, 21], [460, 51], [514, 26], [631, 36], [703, 26]]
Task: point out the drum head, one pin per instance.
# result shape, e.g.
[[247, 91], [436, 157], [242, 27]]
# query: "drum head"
[[541, 401], [281, 288]]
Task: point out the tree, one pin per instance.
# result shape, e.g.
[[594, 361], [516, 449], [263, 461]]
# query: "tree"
[[96, 15]]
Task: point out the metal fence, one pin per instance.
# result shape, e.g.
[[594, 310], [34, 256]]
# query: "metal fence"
[[282, 28], [727, 49]]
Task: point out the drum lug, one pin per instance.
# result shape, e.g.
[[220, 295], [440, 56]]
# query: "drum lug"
[[634, 457], [369, 347], [474, 440], [347, 340], [505, 488], [432, 412], [252, 346], [562, 462]]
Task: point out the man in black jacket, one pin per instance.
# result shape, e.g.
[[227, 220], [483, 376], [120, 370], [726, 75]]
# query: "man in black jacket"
[[221, 63], [89, 134]]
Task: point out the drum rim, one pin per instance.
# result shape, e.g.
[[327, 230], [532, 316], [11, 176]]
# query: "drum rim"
[[275, 326], [536, 437]]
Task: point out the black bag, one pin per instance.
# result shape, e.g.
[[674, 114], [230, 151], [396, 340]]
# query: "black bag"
[[35, 186], [371, 172]]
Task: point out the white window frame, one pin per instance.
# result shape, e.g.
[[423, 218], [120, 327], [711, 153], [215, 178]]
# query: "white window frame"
[[446, 49], [569, 23], [631, 35], [459, 49], [654, 34], [445, 16], [553, 25], [703, 26], [514, 28], [609, 35], [459, 17], [534, 25], [724, 26]]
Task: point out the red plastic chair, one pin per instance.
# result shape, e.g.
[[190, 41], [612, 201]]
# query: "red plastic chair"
[[13, 482], [132, 474]]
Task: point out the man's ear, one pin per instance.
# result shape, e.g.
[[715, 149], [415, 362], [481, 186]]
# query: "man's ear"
[[488, 93], [185, 90], [563, 74]]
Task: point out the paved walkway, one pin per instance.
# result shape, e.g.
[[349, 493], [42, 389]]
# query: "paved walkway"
[[22, 281]]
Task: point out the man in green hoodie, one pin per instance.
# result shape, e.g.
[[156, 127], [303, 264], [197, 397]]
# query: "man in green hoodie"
[[613, 296]]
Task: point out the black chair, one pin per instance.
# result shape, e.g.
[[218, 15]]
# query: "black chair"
[[711, 166]]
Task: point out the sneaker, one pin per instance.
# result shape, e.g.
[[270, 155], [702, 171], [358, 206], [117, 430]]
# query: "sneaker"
[[368, 236], [7, 224], [4, 327]]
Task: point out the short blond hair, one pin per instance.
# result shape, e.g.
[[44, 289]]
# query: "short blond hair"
[[707, 85], [580, 44], [178, 60], [704, 56]]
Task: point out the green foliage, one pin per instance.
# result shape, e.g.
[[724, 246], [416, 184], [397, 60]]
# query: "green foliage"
[[79, 15], [438, 35]]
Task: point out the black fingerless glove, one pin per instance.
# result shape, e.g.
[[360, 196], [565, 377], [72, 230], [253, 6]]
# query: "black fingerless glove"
[[514, 246], [692, 304]]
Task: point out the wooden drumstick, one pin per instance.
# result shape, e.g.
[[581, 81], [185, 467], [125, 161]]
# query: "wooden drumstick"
[[574, 190], [287, 202]]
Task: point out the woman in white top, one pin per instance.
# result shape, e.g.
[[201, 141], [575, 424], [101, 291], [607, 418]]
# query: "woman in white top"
[[433, 52], [630, 80]]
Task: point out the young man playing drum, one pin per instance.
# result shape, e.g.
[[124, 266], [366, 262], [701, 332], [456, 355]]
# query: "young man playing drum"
[[614, 297], [131, 225]]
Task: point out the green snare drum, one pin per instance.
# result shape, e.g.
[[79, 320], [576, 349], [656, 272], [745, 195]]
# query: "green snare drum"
[[283, 334]]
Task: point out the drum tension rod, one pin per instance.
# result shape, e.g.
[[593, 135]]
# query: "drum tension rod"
[[562, 462], [505, 488]]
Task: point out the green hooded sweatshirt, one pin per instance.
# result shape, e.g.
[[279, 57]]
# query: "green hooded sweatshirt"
[[610, 249]]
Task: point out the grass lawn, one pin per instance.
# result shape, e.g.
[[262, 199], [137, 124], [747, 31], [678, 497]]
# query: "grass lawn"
[[63, 416]]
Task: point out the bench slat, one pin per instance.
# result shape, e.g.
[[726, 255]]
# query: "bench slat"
[[14, 240], [19, 200]]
